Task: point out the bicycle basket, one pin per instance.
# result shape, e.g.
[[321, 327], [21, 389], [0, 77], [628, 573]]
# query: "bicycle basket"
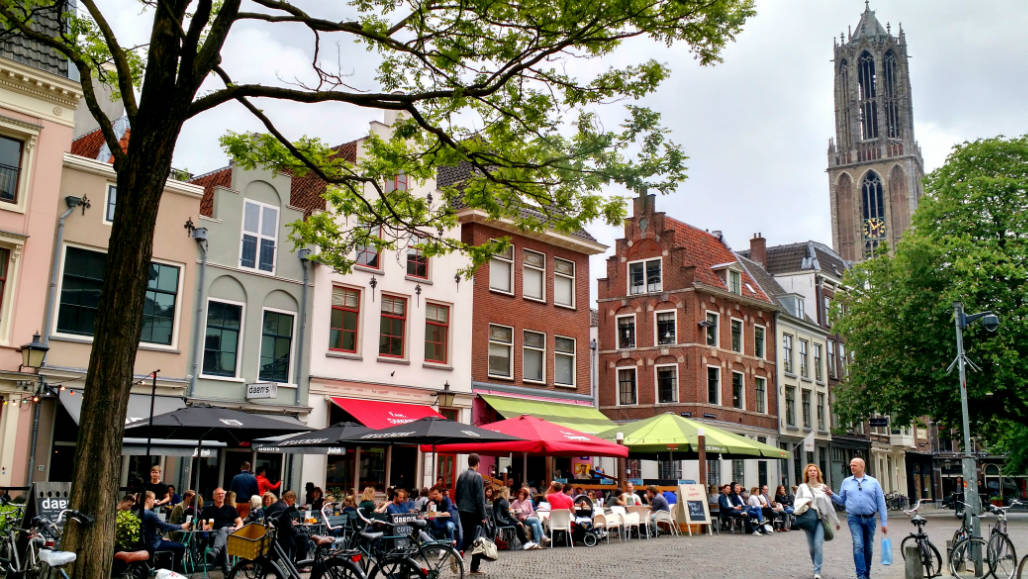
[[249, 542]]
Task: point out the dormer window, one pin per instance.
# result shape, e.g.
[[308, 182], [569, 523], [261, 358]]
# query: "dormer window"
[[793, 304], [644, 276], [735, 282]]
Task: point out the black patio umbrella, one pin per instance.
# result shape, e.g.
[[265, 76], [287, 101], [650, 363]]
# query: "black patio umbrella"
[[202, 422], [315, 441]]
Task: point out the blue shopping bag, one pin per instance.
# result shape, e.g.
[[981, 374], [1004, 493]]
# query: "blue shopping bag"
[[886, 551]]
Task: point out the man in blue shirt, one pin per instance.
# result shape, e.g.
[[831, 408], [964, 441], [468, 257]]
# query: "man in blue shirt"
[[863, 497]]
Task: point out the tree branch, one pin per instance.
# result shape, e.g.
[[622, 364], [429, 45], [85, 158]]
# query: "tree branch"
[[118, 58]]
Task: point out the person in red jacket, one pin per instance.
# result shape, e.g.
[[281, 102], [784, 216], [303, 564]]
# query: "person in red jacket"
[[263, 484]]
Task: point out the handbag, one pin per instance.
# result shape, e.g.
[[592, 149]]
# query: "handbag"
[[886, 551], [807, 520], [485, 547]]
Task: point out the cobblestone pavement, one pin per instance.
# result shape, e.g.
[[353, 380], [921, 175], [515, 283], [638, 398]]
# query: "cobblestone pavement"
[[782, 555]]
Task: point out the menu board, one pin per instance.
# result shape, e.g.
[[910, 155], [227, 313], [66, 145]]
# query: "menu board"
[[692, 507]]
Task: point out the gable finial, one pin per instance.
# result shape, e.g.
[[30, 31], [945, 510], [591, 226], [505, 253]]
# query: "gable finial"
[[867, 5]]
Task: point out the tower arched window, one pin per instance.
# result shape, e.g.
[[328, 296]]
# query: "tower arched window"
[[867, 84], [892, 121], [873, 209], [845, 138]]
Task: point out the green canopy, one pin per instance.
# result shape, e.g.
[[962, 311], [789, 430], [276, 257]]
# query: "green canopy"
[[584, 418], [671, 434]]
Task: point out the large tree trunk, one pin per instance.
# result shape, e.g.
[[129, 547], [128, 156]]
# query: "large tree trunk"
[[141, 179]]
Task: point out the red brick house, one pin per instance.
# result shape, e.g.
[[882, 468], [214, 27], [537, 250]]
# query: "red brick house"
[[684, 328]]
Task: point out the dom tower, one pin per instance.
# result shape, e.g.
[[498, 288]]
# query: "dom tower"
[[874, 163]]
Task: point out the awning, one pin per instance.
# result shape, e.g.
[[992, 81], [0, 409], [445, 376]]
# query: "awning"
[[169, 447], [138, 406], [584, 418], [378, 415]]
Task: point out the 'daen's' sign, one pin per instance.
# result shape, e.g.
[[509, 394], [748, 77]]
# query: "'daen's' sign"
[[261, 390]]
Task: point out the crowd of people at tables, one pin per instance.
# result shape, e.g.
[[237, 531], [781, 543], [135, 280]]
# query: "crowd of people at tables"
[[760, 512], [251, 497]]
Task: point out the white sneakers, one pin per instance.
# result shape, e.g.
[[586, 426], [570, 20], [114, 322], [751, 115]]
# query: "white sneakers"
[[817, 576], [529, 546]]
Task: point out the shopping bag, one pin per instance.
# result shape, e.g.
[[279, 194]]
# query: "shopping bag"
[[807, 521], [886, 551]]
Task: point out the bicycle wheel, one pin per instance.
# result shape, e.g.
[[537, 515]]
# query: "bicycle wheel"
[[1002, 556], [962, 563], [1022, 569], [255, 570], [337, 568], [931, 560], [903, 545], [397, 567], [441, 561]]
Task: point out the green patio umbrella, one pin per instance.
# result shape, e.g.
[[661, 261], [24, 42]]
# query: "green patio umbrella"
[[670, 434]]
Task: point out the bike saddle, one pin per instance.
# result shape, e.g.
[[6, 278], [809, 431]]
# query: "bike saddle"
[[56, 558], [372, 536], [131, 556], [322, 540], [918, 520]]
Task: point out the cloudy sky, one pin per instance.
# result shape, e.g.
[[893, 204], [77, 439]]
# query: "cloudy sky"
[[755, 127]]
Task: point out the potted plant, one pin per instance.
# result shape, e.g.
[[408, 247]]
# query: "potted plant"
[[996, 500]]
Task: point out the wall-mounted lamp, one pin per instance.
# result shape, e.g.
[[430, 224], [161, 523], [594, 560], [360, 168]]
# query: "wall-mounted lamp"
[[444, 397], [373, 283]]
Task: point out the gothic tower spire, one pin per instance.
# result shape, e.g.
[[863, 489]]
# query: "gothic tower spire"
[[874, 162]]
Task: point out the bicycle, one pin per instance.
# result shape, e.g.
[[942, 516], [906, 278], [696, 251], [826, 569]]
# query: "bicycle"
[[40, 558], [969, 558], [1001, 548], [931, 560], [896, 502], [399, 561], [273, 561]]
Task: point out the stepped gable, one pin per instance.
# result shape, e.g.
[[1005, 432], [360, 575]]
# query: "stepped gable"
[[705, 251]]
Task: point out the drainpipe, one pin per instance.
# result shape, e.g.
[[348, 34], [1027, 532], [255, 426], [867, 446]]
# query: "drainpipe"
[[200, 235], [305, 257], [593, 362], [72, 202]]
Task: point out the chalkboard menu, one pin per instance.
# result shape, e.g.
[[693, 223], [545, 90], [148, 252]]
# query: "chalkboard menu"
[[692, 507], [48, 499]]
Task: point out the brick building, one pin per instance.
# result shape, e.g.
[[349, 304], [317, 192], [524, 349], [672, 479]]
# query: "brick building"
[[684, 328]]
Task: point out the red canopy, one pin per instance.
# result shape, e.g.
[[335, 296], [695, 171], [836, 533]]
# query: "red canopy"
[[538, 437], [379, 415]]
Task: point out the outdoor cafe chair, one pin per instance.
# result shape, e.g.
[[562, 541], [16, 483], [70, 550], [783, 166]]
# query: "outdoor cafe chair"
[[600, 522], [560, 520], [665, 517], [644, 518], [631, 520]]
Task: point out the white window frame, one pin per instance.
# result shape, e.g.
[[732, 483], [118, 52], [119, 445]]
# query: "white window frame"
[[542, 275], [819, 374], [542, 356], [827, 305], [762, 354], [240, 346], [806, 412], [292, 347], [787, 348], [510, 267], [617, 332], [656, 383], [830, 357], [28, 134], [15, 248], [656, 332], [804, 351], [716, 328], [574, 361], [107, 200], [742, 335], [510, 346], [734, 280], [617, 384], [756, 394], [570, 278], [742, 393], [792, 407], [720, 385], [821, 413], [645, 285], [260, 235]]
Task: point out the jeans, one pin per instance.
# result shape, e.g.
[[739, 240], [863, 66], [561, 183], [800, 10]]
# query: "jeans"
[[816, 546], [863, 531], [470, 522], [537, 528]]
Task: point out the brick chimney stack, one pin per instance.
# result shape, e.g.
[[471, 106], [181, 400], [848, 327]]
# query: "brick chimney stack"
[[758, 249]]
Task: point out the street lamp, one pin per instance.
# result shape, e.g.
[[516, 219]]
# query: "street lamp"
[[962, 320], [444, 397], [32, 356]]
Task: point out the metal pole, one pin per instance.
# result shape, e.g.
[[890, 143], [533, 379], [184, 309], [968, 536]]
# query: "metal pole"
[[35, 431], [970, 468], [701, 454], [149, 435]]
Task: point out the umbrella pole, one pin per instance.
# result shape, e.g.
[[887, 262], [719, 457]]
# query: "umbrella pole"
[[524, 467], [196, 499], [701, 454]]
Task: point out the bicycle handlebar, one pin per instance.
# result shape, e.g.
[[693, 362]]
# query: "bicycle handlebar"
[[917, 506]]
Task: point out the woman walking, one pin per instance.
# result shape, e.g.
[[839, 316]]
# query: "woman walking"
[[811, 496]]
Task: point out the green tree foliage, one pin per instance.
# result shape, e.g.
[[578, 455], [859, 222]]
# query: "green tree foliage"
[[968, 243], [511, 88]]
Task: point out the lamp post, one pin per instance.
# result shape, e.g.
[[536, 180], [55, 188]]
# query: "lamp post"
[[961, 321], [32, 355]]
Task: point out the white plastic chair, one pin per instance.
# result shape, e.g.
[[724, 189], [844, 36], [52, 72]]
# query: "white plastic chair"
[[600, 522], [665, 517], [631, 520], [614, 521], [560, 520], [644, 517]]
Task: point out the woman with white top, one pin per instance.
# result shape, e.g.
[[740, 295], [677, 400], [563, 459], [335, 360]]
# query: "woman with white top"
[[812, 493]]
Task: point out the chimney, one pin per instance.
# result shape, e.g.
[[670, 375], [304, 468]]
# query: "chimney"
[[758, 249]]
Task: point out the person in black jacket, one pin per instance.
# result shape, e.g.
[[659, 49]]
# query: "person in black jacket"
[[501, 512], [471, 504], [281, 514]]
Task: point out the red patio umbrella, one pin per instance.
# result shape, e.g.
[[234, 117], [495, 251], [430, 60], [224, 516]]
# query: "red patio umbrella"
[[538, 436]]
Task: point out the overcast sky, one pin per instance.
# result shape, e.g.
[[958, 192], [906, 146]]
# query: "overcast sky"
[[755, 127]]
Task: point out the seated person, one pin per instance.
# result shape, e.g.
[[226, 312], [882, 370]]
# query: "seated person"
[[256, 512], [349, 505], [670, 496], [727, 508], [501, 513], [631, 499], [754, 501], [442, 526], [151, 527], [754, 519], [399, 505], [183, 509], [786, 499], [367, 502], [223, 519], [658, 503], [524, 512], [281, 514], [557, 499]]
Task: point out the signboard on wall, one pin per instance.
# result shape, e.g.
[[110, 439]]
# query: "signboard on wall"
[[261, 390]]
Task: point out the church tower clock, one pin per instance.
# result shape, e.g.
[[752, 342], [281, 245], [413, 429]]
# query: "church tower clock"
[[874, 163]]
